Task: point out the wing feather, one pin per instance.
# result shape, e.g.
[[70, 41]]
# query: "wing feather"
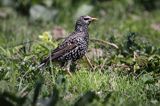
[[59, 52]]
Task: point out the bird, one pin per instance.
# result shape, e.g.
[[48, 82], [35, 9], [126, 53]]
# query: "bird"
[[73, 47]]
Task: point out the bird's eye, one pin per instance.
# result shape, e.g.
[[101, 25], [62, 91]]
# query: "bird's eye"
[[86, 18]]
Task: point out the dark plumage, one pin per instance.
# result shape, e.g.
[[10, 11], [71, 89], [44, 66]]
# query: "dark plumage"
[[74, 46]]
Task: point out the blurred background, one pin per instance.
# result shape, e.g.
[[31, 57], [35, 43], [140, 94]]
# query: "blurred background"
[[23, 20]]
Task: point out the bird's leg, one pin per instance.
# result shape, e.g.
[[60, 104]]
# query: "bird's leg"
[[89, 62], [67, 67]]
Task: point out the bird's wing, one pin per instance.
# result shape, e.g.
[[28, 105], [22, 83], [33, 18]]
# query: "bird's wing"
[[59, 51], [65, 43], [62, 50], [68, 44]]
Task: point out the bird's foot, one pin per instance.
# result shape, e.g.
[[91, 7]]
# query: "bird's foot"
[[67, 67], [68, 72]]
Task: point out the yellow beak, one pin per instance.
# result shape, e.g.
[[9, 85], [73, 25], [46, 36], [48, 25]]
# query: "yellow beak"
[[94, 19]]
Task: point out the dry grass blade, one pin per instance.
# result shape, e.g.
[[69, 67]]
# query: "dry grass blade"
[[104, 42]]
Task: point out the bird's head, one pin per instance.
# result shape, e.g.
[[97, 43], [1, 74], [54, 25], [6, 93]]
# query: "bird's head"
[[85, 20]]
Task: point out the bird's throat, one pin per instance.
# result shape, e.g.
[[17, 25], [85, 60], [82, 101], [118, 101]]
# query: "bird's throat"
[[81, 28]]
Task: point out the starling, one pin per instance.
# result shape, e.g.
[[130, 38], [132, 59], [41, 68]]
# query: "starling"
[[73, 47]]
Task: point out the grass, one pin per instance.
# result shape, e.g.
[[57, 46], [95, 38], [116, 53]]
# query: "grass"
[[123, 80]]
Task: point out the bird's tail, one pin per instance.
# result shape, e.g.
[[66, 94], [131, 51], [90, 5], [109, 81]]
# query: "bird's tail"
[[43, 62], [41, 65]]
